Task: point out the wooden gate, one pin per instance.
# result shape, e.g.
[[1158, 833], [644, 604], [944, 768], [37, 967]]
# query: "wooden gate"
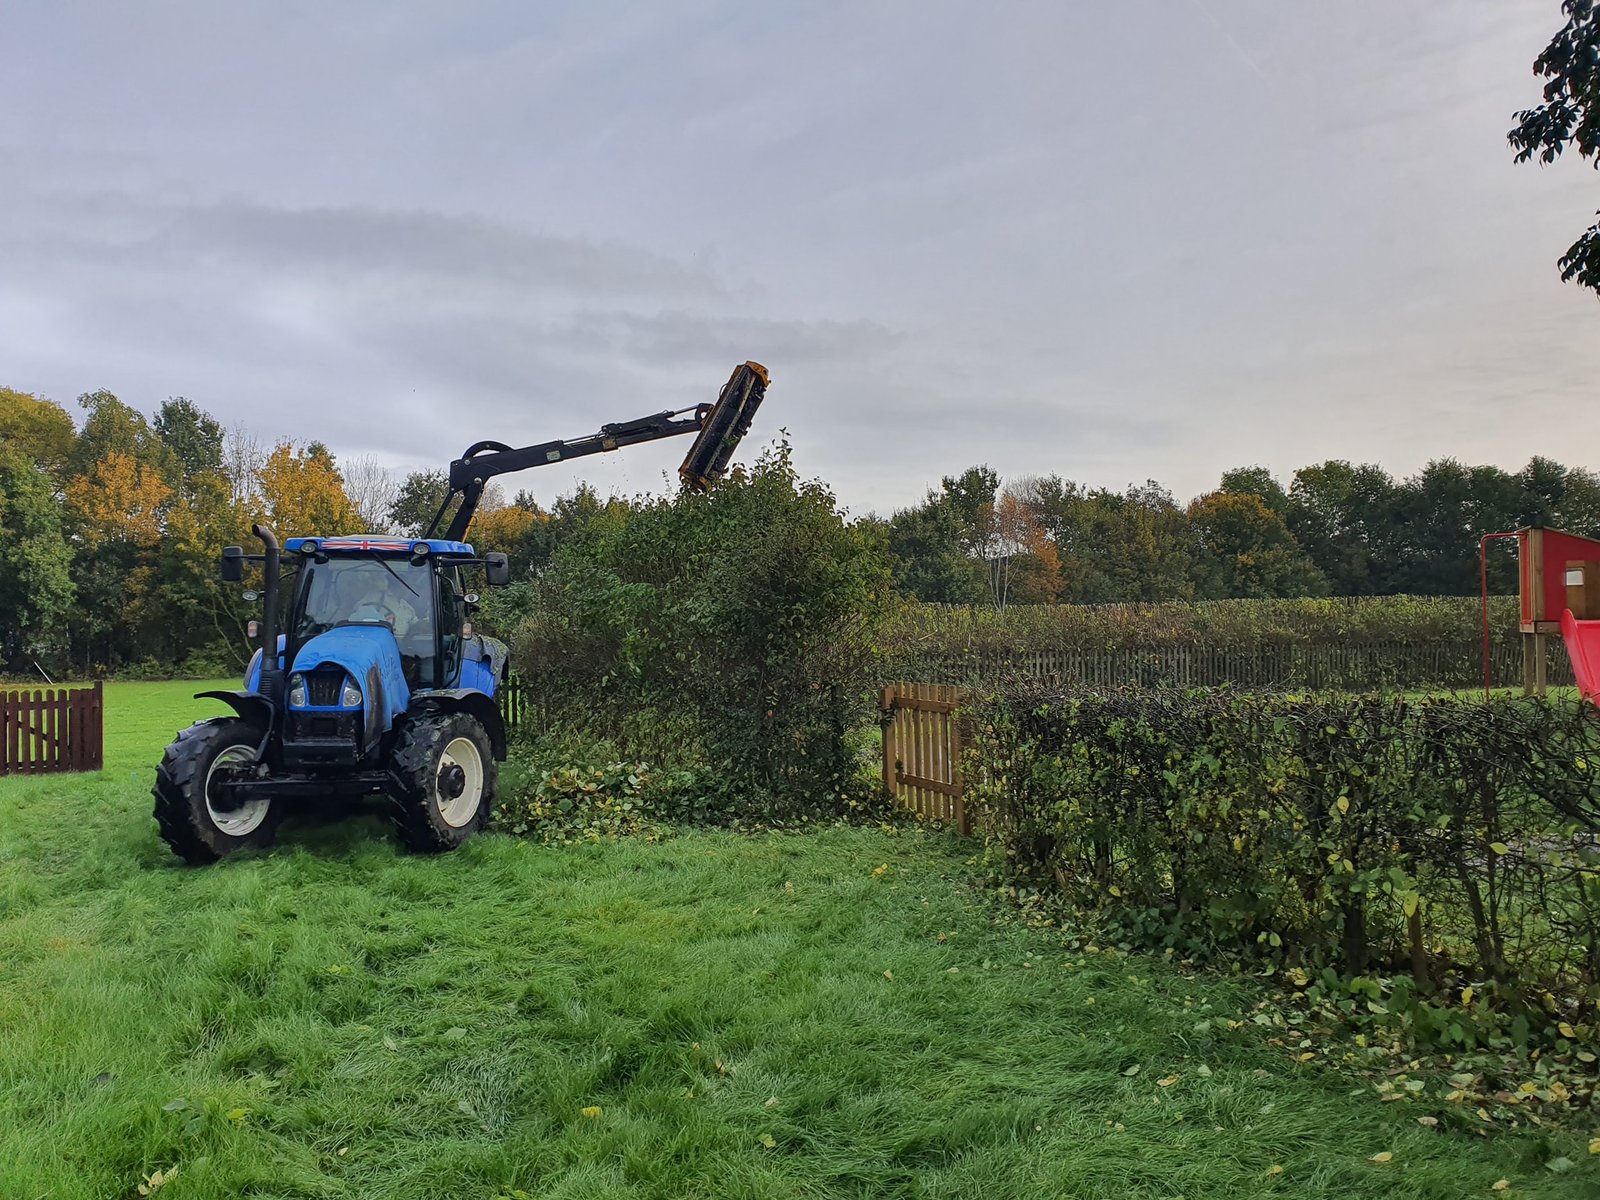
[[54, 729], [514, 701], [922, 750]]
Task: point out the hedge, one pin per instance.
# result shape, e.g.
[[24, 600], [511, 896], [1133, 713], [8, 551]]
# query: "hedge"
[[1453, 842], [1350, 644]]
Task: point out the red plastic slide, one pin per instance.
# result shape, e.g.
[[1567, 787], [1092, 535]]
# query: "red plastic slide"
[[1583, 648]]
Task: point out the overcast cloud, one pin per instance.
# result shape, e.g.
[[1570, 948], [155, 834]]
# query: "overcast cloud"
[[1107, 240]]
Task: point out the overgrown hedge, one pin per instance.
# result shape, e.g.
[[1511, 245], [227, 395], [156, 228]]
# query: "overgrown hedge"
[[1351, 643], [728, 633], [1454, 842]]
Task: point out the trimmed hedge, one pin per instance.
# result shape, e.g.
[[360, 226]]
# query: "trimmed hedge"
[[1453, 841]]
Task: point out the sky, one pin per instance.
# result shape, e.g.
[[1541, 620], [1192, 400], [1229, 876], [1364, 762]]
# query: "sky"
[[1109, 241]]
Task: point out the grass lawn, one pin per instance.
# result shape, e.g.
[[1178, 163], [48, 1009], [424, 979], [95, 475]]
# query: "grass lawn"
[[716, 1015]]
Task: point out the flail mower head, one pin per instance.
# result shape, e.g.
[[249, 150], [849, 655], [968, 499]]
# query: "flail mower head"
[[722, 427]]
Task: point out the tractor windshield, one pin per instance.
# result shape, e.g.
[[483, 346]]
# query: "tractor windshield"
[[393, 592]]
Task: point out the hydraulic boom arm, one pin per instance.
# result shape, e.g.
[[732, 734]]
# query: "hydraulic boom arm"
[[720, 427]]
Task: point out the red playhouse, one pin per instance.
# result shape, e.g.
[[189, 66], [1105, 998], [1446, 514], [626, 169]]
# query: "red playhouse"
[[1559, 589]]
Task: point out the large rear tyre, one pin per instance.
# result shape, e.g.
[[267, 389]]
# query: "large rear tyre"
[[186, 792], [441, 781]]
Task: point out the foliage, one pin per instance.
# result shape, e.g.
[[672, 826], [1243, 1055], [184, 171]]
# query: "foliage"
[[192, 439], [1246, 550], [36, 590], [1453, 842], [729, 630], [302, 493], [418, 500], [1340, 529], [925, 545], [1569, 116], [1351, 643], [561, 804], [40, 431]]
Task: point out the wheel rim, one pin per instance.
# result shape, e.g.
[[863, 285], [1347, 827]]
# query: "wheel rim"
[[460, 765], [247, 818]]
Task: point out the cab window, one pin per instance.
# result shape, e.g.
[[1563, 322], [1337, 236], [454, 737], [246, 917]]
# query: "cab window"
[[452, 614]]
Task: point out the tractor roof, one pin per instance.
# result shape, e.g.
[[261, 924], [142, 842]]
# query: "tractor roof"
[[377, 543]]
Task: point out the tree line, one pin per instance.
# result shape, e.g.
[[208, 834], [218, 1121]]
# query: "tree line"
[[1337, 529], [110, 527]]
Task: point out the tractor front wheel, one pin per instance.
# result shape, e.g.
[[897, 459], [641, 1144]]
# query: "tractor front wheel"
[[189, 809], [442, 781]]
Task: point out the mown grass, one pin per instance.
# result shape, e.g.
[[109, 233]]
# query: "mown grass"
[[751, 1015]]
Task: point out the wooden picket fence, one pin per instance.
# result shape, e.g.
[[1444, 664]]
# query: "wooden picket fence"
[[922, 740], [52, 729]]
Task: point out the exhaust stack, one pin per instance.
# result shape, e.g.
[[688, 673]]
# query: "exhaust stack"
[[271, 673]]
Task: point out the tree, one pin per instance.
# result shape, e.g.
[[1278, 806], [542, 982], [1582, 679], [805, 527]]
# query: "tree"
[[927, 549], [302, 494], [242, 459], [373, 489], [1343, 517], [111, 427], [1569, 116], [192, 439], [36, 590], [1248, 552], [518, 532], [1439, 517], [969, 495], [417, 500], [1256, 481], [38, 429], [1133, 545], [1578, 508], [1021, 560]]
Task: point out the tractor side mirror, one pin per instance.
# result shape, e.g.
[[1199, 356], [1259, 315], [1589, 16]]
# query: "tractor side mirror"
[[232, 564], [497, 570]]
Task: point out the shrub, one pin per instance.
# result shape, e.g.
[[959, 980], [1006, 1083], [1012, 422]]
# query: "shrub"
[[1453, 841], [728, 631]]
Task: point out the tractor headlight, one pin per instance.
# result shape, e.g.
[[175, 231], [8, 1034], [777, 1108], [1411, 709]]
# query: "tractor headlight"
[[350, 694], [297, 690]]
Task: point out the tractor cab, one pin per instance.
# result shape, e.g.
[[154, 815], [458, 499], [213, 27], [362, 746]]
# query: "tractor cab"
[[414, 590], [374, 628]]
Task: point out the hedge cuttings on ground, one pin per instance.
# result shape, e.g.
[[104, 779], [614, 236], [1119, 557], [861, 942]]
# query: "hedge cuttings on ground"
[[1448, 846], [725, 633]]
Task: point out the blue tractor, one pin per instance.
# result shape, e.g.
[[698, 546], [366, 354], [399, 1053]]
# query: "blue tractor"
[[376, 684]]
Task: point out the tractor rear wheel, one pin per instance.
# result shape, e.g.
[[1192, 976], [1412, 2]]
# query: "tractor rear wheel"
[[441, 781], [187, 802]]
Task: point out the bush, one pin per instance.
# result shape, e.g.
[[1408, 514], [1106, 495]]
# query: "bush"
[[728, 631], [1452, 841]]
